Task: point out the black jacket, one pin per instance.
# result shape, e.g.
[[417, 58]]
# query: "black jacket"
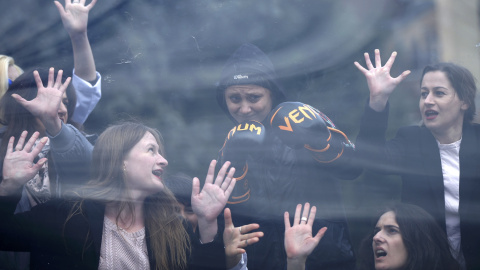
[[57, 244], [278, 179]]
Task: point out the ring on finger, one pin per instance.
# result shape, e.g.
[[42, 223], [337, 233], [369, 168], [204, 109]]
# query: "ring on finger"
[[246, 242], [303, 219], [240, 229]]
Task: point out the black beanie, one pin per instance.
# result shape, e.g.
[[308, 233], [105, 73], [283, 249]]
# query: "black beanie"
[[249, 65]]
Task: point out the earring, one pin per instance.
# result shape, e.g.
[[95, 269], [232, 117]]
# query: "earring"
[[124, 168]]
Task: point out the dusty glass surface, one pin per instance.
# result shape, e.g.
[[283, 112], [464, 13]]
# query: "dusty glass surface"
[[160, 62]]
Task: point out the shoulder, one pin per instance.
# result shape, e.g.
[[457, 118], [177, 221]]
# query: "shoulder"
[[474, 127], [57, 207]]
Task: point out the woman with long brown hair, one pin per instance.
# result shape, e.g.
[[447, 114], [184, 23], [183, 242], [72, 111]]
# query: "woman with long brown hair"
[[124, 218]]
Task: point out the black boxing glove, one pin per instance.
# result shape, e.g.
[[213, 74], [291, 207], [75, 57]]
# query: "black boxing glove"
[[242, 141], [298, 124]]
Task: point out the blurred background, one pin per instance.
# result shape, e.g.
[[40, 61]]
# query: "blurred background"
[[160, 61]]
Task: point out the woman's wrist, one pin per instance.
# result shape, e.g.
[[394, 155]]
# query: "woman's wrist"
[[233, 260], [378, 103], [296, 263], [52, 126], [78, 36], [9, 187], [207, 229]]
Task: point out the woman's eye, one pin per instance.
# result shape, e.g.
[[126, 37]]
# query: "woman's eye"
[[253, 99], [65, 102], [235, 99], [440, 93], [424, 94], [392, 231]]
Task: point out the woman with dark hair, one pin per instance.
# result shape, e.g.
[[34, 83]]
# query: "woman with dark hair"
[[405, 237], [124, 217], [57, 175], [181, 186], [437, 160]]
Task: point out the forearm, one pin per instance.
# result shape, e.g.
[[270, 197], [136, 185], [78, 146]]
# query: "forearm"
[[233, 260], [71, 153], [88, 96], [84, 62], [9, 187], [296, 264], [238, 262], [207, 230], [378, 102], [372, 149], [53, 124]]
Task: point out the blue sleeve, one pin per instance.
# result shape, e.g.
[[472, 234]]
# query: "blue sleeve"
[[87, 97], [72, 154]]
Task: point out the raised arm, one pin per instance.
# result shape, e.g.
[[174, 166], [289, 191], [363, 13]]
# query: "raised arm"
[[380, 83], [75, 20], [86, 80], [299, 242], [47, 102], [19, 166], [209, 202]]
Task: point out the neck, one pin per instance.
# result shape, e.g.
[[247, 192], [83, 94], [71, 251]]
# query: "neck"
[[450, 135], [131, 220]]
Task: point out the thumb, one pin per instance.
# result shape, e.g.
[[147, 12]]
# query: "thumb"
[[20, 100], [37, 166], [228, 218], [60, 8], [320, 234]]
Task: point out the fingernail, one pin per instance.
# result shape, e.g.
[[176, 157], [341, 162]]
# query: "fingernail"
[[43, 140]]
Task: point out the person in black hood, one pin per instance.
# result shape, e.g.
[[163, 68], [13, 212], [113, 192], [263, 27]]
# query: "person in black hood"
[[248, 66], [291, 153]]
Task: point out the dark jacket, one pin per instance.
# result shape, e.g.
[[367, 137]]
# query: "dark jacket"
[[56, 243], [414, 155], [279, 178]]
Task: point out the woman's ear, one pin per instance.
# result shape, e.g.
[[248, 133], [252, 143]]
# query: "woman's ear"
[[465, 106]]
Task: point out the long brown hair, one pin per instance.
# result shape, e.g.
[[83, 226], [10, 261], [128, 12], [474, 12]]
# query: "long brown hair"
[[168, 238]]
